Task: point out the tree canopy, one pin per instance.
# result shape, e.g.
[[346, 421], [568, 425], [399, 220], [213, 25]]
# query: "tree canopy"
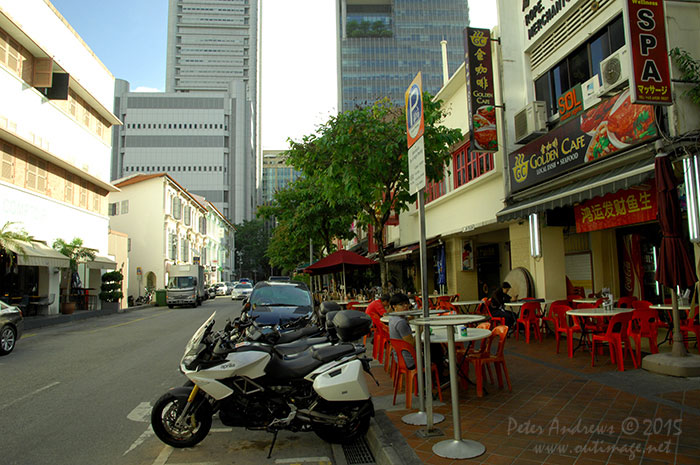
[[251, 244]]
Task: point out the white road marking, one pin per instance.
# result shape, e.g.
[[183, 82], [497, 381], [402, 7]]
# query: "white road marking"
[[163, 456], [146, 435], [141, 414], [19, 399], [305, 459], [221, 430]]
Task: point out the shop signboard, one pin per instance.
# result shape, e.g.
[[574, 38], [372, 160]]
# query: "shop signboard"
[[481, 101], [539, 15], [645, 32], [611, 126], [570, 103], [629, 206]]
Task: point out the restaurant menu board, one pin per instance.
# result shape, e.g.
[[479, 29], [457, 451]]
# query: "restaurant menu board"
[[645, 28], [481, 100], [613, 125], [621, 208]]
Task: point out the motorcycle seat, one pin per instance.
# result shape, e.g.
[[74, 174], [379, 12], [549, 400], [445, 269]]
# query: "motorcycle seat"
[[330, 353], [298, 346], [293, 368], [291, 336]]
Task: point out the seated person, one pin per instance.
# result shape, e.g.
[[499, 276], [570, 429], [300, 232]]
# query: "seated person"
[[499, 298], [378, 307], [400, 329]]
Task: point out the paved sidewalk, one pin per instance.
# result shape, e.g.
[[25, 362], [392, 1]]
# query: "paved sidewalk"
[[563, 411]]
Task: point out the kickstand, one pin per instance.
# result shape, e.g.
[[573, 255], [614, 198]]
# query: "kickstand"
[[274, 438]]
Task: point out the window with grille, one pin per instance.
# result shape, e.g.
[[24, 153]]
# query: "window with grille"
[[125, 207], [177, 208], [68, 188], [36, 174], [83, 194], [173, 246], [113, 209], [188, 215], [468, 165], [8, 162], [96, 202], [434, 190]]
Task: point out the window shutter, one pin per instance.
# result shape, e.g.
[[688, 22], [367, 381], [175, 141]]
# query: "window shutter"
[[43, 72]]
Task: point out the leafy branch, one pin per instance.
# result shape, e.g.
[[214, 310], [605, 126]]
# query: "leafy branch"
[[690, 72]]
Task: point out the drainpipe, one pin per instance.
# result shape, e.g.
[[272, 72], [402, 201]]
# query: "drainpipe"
[[445, 69]]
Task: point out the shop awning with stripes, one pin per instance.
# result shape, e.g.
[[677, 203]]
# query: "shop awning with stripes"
[[38, 254], [613, 180]]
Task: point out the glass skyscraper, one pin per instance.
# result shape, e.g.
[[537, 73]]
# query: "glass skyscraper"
[[384, 43]]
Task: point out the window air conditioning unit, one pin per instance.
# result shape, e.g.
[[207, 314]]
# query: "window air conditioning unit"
[[530, 122], [614, 71]]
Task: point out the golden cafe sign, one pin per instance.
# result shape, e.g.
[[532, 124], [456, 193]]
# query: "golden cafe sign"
[[612, 126]]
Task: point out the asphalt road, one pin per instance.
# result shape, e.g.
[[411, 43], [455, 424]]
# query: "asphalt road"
[[81, 393]]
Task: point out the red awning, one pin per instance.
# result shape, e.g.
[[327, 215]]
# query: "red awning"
[[335, 261]]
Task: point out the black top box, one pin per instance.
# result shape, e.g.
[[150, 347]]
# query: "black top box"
[[351, 325]]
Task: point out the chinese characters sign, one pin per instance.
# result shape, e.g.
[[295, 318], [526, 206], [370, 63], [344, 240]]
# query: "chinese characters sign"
[[645, 28], [611, 126], [619, 209], [480, 90]]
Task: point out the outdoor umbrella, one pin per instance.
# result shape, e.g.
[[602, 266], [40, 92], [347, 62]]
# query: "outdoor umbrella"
[[338, 261], [674, 268]]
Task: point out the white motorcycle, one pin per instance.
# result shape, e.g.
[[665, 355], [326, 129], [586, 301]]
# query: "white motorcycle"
[[252, 385]]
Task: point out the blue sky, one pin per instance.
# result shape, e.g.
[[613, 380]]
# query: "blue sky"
[[130, 38]]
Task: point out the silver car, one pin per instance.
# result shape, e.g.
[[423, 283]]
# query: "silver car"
[[11, 326], [241, 291]]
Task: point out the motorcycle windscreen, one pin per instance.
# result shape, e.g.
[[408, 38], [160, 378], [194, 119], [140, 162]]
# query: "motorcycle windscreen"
[[343, 383]]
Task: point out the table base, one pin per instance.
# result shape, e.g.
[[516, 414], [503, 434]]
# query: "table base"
[[462, 449], [429, 433], [421, 418]]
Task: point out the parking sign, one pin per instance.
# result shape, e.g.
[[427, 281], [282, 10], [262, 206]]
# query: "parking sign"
[[414, 110]]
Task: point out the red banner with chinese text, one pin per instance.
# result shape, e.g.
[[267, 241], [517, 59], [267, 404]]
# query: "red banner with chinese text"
[[618, 209]]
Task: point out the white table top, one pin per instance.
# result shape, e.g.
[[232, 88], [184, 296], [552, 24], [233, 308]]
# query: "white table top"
[[448, 320], [669, 307], [385, 317], [598, 311], [361, 305], [585, 301], [439, 335], [466, 302]]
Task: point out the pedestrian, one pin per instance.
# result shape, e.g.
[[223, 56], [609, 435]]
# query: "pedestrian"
[[499, 298]]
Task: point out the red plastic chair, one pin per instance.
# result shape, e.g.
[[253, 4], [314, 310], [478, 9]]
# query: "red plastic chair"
[[691, 325], [454, 298], [448, 307], [419, 302], [479, 360], [381, 339], [497, 359], [616, 332], [528, 318], [408, 375], [593, 325], [643, 324], [562, 326], [549, 316], [626, 302], [484, 308], [351, 305]]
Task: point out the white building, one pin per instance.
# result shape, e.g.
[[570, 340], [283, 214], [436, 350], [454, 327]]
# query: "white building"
[[167, 226], [55, 139]]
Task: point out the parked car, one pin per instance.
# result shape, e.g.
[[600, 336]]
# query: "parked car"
[[241, 291], [277, 302], [11, 327], [279, 278], [221, 288], [245, 280], [229, 287]]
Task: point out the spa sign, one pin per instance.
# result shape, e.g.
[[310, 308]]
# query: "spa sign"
[[611, 126], [481, 101]]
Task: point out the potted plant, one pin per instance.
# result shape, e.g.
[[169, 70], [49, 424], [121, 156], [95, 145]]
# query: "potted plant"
[[111, 290], [76, 253]]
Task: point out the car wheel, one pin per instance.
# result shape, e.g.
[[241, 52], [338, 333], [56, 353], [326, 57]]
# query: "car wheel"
[[8, 339]]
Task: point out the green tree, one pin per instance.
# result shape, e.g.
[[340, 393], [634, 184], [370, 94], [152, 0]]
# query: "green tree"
[[302, 215], [76, 253], [12, 242], [361, 155], [251, 244]]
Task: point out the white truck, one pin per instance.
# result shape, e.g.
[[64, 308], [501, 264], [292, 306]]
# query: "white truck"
[[185, 285]]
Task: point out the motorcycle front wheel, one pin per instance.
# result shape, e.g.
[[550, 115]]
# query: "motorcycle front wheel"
[[165, 414], [350, 431]]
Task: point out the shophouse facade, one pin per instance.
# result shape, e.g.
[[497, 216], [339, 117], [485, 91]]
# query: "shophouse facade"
[[168, 226], [580, 174], [55, 144]]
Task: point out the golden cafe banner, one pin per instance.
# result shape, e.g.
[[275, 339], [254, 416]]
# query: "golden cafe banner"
[[613, 125], [481, 100], [621, 208]]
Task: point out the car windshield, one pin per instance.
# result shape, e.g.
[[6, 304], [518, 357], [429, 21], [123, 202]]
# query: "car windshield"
[[280, 295], [243, 286], [181, 282]]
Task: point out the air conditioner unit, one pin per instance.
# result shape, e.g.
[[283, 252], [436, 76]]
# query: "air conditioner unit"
[[614, 71], [530, 122]]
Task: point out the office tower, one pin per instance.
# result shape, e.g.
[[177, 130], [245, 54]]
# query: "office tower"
[[277, 174], [384, 43]]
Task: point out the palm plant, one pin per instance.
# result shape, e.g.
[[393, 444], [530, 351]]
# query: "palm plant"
[[76, 253], [12, 242]]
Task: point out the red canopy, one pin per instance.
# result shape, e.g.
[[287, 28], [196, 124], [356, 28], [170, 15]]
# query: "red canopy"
[[335, 261]]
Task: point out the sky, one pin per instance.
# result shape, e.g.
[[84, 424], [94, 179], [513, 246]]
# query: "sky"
[[298, 41]]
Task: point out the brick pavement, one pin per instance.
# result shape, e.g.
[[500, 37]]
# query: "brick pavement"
[[563, 411]]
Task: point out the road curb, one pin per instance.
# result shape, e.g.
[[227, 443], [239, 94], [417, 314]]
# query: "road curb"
[[387, 444]]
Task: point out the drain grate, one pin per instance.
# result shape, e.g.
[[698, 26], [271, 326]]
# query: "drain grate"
[[358, 453]]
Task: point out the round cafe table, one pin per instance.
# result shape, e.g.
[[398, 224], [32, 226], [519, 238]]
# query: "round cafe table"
[[669, 308], [467, 304], [456, 448], [594, 313]]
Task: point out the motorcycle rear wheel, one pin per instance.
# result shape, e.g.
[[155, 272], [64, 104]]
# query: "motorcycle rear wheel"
[[164, 415], [343, 434]]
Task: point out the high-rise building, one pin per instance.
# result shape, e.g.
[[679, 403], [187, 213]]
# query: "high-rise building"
[[211, 43], [202, 130], [384, 43], [277, 174]]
